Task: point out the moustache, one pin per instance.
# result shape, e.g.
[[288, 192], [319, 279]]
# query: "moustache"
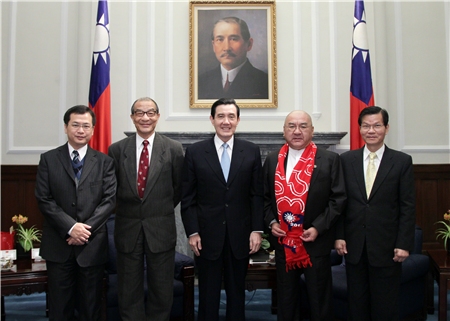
[[230, 54]]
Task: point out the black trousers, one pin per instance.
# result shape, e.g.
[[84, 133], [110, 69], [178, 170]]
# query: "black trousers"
[[210, 274], [373, 292], [318, 284], [74, 288]]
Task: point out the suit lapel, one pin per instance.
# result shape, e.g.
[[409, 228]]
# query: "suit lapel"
[[317, 165], [89, 162], [236, 161], [358, 171], [383, 170], [65, 160], [212, 159], [129, 163], [156, 163]]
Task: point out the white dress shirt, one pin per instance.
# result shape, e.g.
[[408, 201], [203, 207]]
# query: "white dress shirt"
[[231, 73], [293, 158]]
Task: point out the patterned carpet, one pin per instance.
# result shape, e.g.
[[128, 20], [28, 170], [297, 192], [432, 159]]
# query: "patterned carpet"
[[32, 307]]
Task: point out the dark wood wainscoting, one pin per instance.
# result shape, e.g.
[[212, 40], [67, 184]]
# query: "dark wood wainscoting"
[[432, 184], [18, 183]]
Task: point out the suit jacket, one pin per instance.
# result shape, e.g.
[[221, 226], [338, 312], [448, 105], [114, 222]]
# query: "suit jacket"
[[384, 221], [63, 204], [325, 203], [250, 83], [155, 211], [214, 207]]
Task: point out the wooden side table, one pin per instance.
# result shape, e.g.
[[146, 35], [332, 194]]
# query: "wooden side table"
[[263, 276], [440, 266], [26, 277]]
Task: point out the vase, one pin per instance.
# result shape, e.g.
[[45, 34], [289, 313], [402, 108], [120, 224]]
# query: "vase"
[[21, 253], [448, 246]]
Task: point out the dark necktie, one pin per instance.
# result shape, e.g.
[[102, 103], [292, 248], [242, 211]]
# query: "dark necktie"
[[227, 85], [143, 170], [76, 164], [225, 161]]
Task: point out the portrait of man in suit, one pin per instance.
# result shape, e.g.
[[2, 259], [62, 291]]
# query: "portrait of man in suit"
[[376, 231], [304, 195], [222, 211], [148, 169], [234, 76], [75, 191]]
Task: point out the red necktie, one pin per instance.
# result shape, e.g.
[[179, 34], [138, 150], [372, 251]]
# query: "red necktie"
[[227, 85], [143, 170]]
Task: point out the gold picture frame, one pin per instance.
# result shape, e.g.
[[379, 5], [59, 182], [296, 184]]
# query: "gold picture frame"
[[259, 69]]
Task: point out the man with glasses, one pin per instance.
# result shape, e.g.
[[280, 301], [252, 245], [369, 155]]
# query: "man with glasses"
[[75, 191], [376, 231], [148, 169], [304, 194]]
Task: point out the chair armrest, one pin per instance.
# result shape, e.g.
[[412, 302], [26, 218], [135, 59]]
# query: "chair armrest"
[[336, 259], [181, 261], [415, 265]]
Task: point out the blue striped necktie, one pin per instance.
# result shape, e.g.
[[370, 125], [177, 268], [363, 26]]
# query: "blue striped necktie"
[[76, 164]]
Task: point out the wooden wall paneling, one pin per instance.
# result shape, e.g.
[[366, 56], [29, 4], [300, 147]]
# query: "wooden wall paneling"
[[17, 192], [432, 185]]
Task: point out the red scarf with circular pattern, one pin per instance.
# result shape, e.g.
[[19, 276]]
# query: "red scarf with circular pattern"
[[291, 200]]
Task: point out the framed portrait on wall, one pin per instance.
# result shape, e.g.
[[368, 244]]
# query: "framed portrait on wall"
[[232, 53]]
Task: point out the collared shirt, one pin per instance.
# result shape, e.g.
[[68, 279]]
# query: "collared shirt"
[[219, 148], [293, 158], [231, 73], [376, 161], [81, 152], [140, 147]]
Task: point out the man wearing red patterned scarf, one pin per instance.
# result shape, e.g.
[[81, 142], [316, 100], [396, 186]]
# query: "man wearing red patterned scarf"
[[304, 196]]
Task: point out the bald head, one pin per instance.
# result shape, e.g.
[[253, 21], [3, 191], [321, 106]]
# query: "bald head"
[[297, 114], [298, 129]]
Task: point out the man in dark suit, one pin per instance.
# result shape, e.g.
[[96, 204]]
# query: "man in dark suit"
[[235, 77], [148, 169], [75, 190], [304, 194], [376, 231], [222, 211]]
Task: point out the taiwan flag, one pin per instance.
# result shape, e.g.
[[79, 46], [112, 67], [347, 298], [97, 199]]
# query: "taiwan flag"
[[361, 89], [99, 90]]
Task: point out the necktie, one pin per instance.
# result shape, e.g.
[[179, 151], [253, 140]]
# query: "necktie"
[[227, 85], [143, 170], [371, 173], [225, 161], [76, 164]]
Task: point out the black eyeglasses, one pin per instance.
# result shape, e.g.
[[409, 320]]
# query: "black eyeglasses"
[[141, 113]]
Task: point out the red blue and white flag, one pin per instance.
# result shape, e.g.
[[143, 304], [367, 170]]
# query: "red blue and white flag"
[[361, 89], [99, 90]]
